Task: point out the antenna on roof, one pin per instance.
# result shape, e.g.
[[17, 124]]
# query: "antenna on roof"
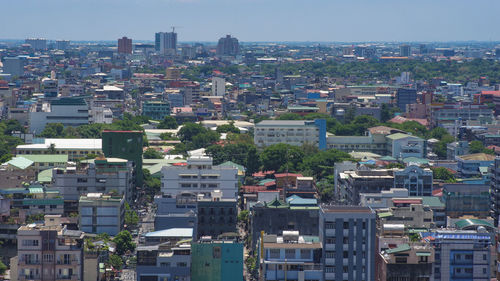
[[174, 27]]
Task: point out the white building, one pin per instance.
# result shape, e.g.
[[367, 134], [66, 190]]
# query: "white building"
[[101, 115], [74, 148], [218, 86], [67, 111], [37, 43], [101, 213], [383, 198], [200, 177], [293, 132]]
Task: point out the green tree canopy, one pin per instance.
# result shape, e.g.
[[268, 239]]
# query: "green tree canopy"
[[168, 122], [281, 157], [441, 173], [123, 241], [152, 153]]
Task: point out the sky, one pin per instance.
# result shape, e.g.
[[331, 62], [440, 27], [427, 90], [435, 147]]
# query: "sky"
[[254, 20]]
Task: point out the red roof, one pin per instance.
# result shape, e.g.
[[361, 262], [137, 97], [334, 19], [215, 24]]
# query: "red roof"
[[253, 188], [437, 192], [287, 175], [262, 174], [269, 183], [494, 93], [407, 201]]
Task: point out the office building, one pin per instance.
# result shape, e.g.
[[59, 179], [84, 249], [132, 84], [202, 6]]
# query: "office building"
[[405, 51], [462, 199], [173, 73], [460, 254], [216, 215], [495, 190], [228, 46], [14, 65], [62, 44], [404, 97], [48, 251], [290, 257], [156, 110], [218, 86], [38, 44], [407, 211], [293, 132], [164, 262], [347, 234], [100, 213], [200, 176], [351, 183], [166, 43], [178, 211], [216, 260], [74, 148], [67, 111], [125, 45], [126, 145], [418, 181]]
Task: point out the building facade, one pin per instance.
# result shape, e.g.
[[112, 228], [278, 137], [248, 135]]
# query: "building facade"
[[216, 260], [293, 132], [101, 213], [228, 46], [416, 180], [125, 45]]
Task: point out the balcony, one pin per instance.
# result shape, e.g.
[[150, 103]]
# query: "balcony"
[[329, 261], [29, 262], [68, 262], [67, 277], [29, 277]]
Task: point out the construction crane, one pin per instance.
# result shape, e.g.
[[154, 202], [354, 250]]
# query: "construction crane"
[[174, 27]]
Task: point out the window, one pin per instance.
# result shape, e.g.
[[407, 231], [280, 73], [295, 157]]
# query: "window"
[[290, 253], [345, 254], [468, 270], [330, 254], [216, 252], [165, 264], [330, 240], [274, 253], [346, 225], [329, 225], [345, 269], [181, 264], [305, 254], [330, 269]]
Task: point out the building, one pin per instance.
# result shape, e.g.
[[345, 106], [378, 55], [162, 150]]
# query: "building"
[[293, 132], [351, 183], [474, 165], [381, 199], [290, 257], [347, 234], [101, 213], [166, 43], [407, 211], [401, 146], [74, 148], [228, 46], [62, 44], [48, 251], [164, 262], [102, 175], [38, 44], [451, 116], [126, 145], [200, 176], [405, 51], [462, 199], [38, 162], [125, 45], [156, 110], [216, 260], [404, 97], [67, 111], [173, 73], [176, 211], [14, 65], [416, 180], [460, 254], [495, 190], [216, 215], [456, 148], [218, 86], [111, 93]]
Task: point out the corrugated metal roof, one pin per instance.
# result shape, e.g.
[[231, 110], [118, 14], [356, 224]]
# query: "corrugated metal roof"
[[47, 158], [20, 162], [400, 248]]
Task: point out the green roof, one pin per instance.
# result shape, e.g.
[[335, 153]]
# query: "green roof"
[[43, 202], [423, 254], [398, 136], [431, 201], [47, 158], [387, 158], [277, 204], [310, 239], [415, 160], [35, 190], [385, 215], [233, 165], [45, 176], [264, 181], [156, 169], [20, 162], [400, 248], [472, 222]]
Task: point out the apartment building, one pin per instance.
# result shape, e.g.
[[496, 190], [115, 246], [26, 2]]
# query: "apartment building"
[[48, 251], [74, 148], [290, 256], [200, 176], [347, 234], [353, 182], [100, 213], [418, 181], [166, 261], [216, 215], [293, 132]]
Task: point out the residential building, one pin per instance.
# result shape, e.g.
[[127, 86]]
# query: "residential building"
[[170, 235], [405, 97], [216, 215], [218, 86], [408, 211], [457, 148], [474, 165], [200, 176], [74, 148], [125, 45], [460, 254], [100, 213], [126, 145], [156, 110], [164, 262], [166, 43], [39, 162], [401, 146], [228, 46], [38, 44], [381, 199], [351, 183], [290, 256], [216, 260], [451, 116], [111, 93], [416, 180], [462, 199], [347, 234], [48, 251], [173, 73], [62, 44], [495, 190], [178, 211], [34, 199], [67, 111], [293, 132], [14, 65], [405, 51], [15, 176]]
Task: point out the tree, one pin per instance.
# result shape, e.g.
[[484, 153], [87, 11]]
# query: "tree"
[[322, 163], [52, 149], [131, 217], [281, 157], [289, 116], [168, 122], [3, 268], [478, 147], [152, 153], [228, 128], [168, 136], [189, 131], [151, 183], [123, 241], [441, 173], [116, 262], [240, 153], [53, 130], [244, 216]]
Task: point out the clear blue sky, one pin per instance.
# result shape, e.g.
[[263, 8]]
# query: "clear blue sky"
[[254, 20]]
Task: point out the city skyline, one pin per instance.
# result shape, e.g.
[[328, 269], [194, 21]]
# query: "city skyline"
[[251, 20]]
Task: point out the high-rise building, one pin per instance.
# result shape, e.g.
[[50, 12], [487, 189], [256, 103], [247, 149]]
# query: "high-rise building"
[[405, 50], [37, 43], [166, 43], [228, 46], [67, 111], [405, 96], [125, 45], [347, 234], [14, 65], [62, 44], [218, 86], [417, 180], [213, 260], [126, 145], [495, 190], [100, 213]]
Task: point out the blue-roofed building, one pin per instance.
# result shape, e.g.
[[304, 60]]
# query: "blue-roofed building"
[[460, 254]]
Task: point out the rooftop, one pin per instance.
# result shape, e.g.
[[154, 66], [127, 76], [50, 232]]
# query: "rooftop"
[[172, 232], [346, 209], [477, 157]]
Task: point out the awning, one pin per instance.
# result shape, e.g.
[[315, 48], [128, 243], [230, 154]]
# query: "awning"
[[423, 254]]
